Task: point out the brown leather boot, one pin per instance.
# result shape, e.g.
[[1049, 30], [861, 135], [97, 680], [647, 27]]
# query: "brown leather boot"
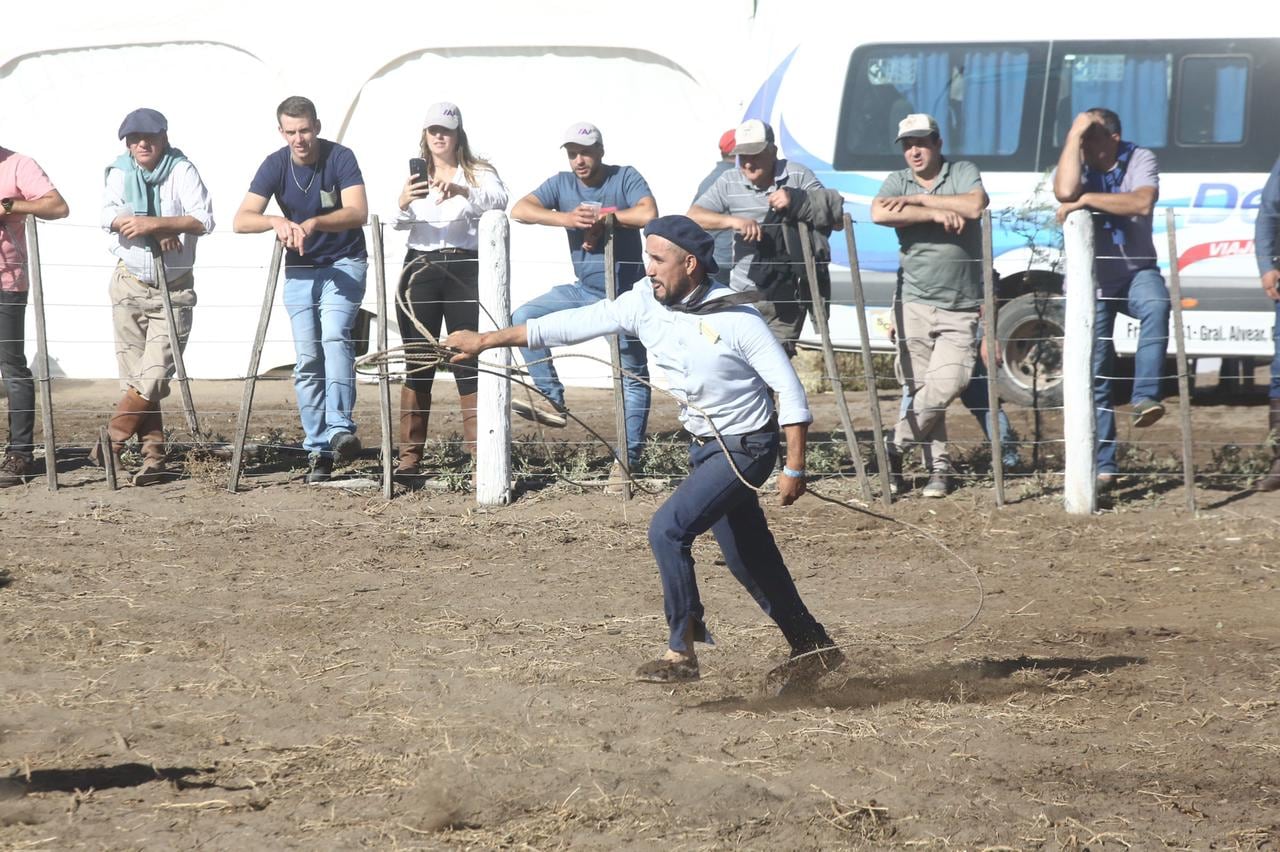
[[1271, 482], [154, 456], [131, 412], [415, 412], [468, 402]]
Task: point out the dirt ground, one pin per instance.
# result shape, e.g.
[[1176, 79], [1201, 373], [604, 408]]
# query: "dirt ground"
[[304, 667]]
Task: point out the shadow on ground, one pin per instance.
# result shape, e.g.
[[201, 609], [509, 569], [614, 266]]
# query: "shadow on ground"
[[975, 681]]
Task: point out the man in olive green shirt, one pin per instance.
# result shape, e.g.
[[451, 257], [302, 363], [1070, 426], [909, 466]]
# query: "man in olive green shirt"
[[933, 204]]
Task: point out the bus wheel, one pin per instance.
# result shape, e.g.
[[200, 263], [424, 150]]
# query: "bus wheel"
[[1030, 331]]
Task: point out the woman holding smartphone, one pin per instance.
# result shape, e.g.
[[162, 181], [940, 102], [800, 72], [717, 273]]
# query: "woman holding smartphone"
[[441, 203]]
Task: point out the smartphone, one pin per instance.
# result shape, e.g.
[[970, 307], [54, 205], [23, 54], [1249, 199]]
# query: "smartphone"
[[418, 168]]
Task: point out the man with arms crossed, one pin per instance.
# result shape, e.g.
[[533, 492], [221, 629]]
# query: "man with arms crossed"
[[722, 362], [320, 190], [933, 204]]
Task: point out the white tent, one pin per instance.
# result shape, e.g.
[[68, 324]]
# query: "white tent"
[[69, 72]]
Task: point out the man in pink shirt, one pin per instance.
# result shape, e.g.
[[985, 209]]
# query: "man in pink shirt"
[[25, 190]]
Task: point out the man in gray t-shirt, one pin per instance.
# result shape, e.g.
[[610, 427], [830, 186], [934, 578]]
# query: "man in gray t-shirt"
[[933, 205], [1119, 183]]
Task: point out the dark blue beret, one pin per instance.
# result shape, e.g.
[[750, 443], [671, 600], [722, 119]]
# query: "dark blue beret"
[[684, 232], [143, 121]]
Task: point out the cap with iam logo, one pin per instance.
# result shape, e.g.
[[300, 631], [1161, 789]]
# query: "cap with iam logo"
[[582, 133], [443, 114]]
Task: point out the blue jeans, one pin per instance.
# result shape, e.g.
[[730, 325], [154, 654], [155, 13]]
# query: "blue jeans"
[[977, 399], [635, 394], [322, 303], [1147, 301], [1275, 361], [713, 498]]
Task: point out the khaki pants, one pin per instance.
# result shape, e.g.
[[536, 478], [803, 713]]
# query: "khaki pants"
[[144, 355], [936, 353]]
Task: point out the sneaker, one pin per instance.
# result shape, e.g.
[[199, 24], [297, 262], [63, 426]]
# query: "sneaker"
[[345, 446], [321, 468], [539, 410], [14, 470], [938, 484], [1146, 412]]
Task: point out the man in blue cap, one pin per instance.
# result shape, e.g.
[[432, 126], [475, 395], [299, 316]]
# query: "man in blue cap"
[[155, 203], [721, 360]]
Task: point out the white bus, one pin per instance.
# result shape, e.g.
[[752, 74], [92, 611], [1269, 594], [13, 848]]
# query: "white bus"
[[1204, 105]]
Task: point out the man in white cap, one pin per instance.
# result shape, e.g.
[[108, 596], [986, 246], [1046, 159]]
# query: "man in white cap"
[[154, 202], [578, 200], [934, 205], [764, 186]]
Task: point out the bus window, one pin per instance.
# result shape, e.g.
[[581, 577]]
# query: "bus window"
[[978, 94], [1135, 86], [1212, 94]]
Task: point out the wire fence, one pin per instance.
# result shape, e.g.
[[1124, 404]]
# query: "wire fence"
[[1033, 443]]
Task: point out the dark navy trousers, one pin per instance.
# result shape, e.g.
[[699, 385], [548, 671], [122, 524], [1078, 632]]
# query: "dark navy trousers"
[[713, 498]]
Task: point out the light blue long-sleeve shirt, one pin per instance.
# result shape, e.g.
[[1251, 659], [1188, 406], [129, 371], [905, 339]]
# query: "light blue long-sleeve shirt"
[[720, 365], [1266, 229]]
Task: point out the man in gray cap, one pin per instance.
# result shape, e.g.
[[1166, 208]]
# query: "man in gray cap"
[[154, 204], [578, 200], [934, 205], [722, 360]]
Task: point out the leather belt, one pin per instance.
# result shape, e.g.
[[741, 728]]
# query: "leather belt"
[[771, 426]]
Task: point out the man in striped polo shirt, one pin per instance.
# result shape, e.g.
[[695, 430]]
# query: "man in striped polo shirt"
[[742, 199]]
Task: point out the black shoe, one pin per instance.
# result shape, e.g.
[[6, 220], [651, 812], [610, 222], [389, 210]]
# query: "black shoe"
[[321, 468], [345, 446], [802, 671], [14, 470]]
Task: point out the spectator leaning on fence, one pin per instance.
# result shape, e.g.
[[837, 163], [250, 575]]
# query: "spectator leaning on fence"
[[440, 278], [723, 236], [320, 190], [1266, 245], [721, 358], [756, 200], [154, 204], [1119, 183], [934, 204], [25, 190], [578, 201]]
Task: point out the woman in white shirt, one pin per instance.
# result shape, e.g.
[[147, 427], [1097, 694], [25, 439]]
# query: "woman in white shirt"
[[439, 279]]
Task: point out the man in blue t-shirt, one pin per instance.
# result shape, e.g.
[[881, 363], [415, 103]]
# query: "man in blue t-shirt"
[[320, 190], [578, 201]]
